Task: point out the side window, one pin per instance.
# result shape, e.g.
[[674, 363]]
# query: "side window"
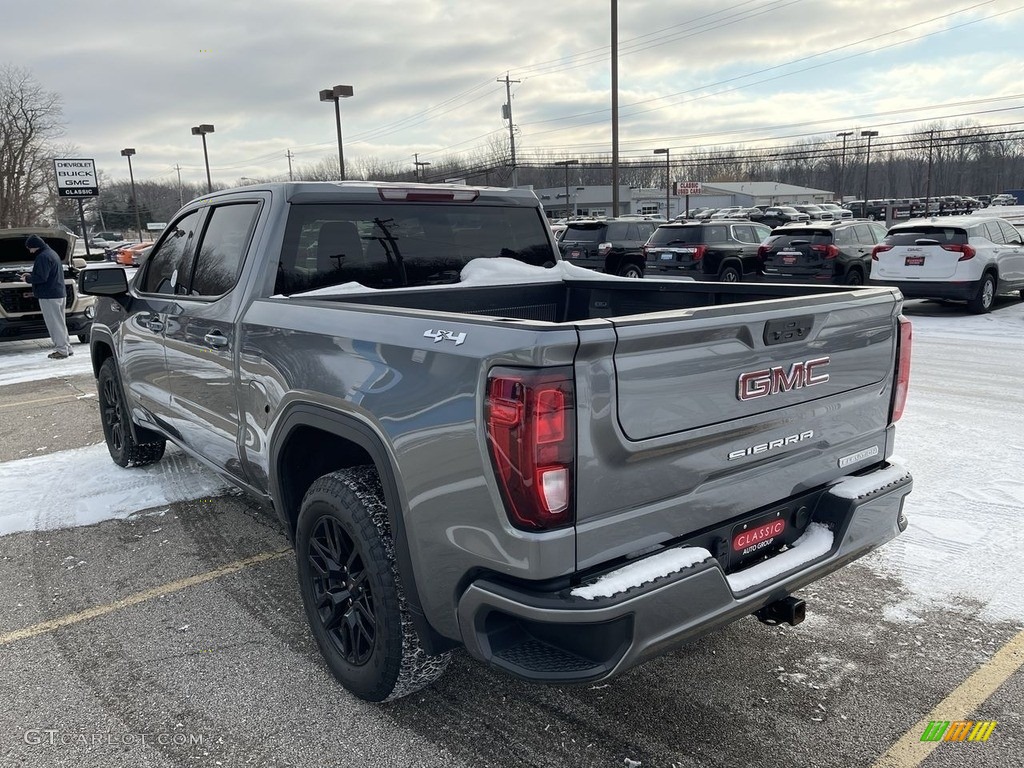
[[978, 230], [169, 265], [864, 234], [744, 233], [995, 234], [632, 232], [222, 248], [878, 231], [1011, 233], [844, 236]]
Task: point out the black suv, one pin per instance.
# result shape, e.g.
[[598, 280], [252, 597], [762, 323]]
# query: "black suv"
[[706, 250], [837, 251], [778, 215], [615, 246]]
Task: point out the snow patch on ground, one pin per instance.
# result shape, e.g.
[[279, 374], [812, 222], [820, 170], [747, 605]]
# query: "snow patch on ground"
[[83, 486], [27, 361]]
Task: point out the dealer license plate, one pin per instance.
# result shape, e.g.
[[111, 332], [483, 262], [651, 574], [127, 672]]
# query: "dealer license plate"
[[915, 261], [757, 536], [667, 256]]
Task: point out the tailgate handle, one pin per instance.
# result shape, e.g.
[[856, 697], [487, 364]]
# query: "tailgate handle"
[[788, 329]]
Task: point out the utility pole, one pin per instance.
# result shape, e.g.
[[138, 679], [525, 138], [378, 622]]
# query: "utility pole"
[[181, 200], [417, 164], [507, 114], [288, 154], [928, 178], [842, 163], [615, 107]]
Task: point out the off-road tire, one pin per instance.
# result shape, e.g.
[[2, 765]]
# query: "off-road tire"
[[357, 608], [985, 296], [730, 274], [117, 427]]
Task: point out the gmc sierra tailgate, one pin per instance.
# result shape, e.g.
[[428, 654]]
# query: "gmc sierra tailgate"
[[718, 413]]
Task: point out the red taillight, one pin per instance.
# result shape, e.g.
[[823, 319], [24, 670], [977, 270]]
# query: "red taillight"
[[879, 249], [762, 252], [531, 435], [698, 252], [826, 251], [966, 251], [604, 249], [899, 396]]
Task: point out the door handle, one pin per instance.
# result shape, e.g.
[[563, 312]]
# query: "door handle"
[[216, 339]]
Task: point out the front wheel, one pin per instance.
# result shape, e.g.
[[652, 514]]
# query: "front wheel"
[[631, 271], [985, 295], [117, 428], [352, 592]]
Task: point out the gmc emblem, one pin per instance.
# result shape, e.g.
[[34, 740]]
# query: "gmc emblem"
[[771, 381]]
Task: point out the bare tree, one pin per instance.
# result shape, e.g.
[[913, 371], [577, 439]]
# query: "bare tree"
[[30, 119]]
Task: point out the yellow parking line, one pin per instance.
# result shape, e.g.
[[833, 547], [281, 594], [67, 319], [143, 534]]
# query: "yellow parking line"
[[54, 399], [965, 699], [139, 597]]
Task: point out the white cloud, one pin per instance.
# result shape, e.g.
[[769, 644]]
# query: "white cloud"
[[425, 73]]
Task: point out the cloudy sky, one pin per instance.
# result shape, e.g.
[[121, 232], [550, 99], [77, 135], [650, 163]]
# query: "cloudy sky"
[[425, 73]]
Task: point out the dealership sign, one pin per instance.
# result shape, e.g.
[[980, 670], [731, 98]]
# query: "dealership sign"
[[76, 178], [689, 188]]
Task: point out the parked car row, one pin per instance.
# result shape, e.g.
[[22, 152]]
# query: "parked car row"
[[968, 259]]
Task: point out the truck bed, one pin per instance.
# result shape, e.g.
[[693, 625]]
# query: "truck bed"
[[576, 301]]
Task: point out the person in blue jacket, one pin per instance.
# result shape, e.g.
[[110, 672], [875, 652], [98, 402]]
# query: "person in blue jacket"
[[47, 281]]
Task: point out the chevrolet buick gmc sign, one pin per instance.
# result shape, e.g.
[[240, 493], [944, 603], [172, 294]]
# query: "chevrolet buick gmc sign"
[[76, 178]]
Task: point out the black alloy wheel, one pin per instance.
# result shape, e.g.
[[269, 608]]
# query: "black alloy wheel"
[[342, 591], [111, 414], [352, 592], [117, 427]]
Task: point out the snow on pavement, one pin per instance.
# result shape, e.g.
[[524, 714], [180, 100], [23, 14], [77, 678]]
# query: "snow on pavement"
[[962, 437], [83, 486], [22, 361]]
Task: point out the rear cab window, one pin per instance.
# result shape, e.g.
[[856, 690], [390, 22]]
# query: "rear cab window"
[[406, 244]]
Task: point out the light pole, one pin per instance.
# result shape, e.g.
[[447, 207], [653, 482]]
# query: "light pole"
[[565, 164], [417, 164], [668, 183], [336, 94], [867, 164], [128, 152], [842, 163], [202, 130]]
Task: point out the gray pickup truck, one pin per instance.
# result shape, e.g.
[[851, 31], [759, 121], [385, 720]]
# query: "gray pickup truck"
[[471, 443]]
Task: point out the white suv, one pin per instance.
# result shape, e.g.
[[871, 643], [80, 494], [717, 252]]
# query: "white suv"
[[951, 257]]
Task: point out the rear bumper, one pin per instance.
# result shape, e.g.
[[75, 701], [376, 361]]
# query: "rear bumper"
[[560, 637], [915, 289]]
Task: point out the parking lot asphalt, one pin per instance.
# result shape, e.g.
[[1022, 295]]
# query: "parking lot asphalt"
[[177, 637]]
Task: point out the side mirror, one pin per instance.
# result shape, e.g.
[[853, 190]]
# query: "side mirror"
[[103, 281]]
